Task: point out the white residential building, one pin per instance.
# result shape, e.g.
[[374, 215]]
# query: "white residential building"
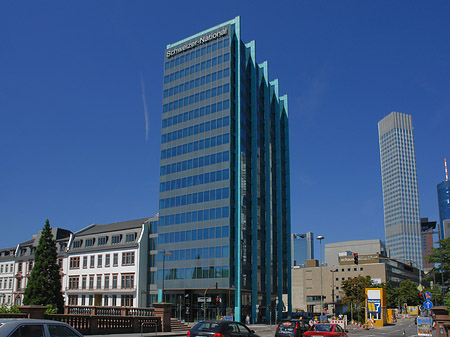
[[6, 275], [108, 265]]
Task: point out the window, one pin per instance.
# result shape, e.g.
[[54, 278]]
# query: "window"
[[114, 282], [92, 264], [115, 259], [99, 281], [128, 258], [102, 241], [127, 300], [60, 330], [91, 282], [84, 261], [77, 244], [83, 282], [127, 281], [106, 281], [130, 237], [107, 260], [29, 330], [89, 242], [116, 239], [74, 262], [99, 260], [114, 300], [73, 282], [30, 266]]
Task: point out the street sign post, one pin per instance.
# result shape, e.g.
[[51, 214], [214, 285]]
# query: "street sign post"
[[428, 305]]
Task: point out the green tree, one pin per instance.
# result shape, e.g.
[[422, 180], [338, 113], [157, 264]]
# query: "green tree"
[[407, 292], [44, 286], [447, 302], [390, 294], [435, 257], [355, 294]]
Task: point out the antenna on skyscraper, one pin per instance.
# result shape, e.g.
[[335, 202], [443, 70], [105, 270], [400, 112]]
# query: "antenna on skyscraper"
[[446, 174]]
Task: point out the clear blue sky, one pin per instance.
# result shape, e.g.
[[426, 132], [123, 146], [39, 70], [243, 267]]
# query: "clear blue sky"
[[74, 144]]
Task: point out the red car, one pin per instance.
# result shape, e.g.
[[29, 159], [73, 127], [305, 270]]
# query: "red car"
[[325, 329]]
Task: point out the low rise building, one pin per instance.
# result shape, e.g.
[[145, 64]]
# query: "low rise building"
[[24, 259], [108, 265], [314, 285], [7, 259]]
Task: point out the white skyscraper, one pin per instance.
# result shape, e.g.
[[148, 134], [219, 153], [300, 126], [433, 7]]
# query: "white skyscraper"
[[400, 192]]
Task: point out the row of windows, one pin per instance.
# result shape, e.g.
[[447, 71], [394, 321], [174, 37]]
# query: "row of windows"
[[198, 82], [197, 67], [128, 259], [126, 300], [196, 253], [189, 115], [6, 283], [194, 273], [194, 216], [195, 98], [184, 165], [195, 198], [195, 129], [197, 53], [198, 179], [115, 239], [194, 235], [198, 97], [8, 268], [109, 281], [196, 146]]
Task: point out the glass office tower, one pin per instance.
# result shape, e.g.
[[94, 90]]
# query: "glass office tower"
[[443, 191], [224, 206], [302, 248], [400, 192]]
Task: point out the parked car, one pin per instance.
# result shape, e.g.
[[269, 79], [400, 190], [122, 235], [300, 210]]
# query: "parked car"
[[23, 327], [326, 329], [292, 327], [221, 329]]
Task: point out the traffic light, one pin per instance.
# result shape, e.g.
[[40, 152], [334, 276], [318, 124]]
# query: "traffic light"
[[355, 258], [218, 300]]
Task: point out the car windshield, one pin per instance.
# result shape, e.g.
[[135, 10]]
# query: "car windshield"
[[207, 326], [322, 327]]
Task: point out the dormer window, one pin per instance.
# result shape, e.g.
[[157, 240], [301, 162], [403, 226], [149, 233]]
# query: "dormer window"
[[130, 237], [77, 244], [116, 239], [89, 242], [102, 241]]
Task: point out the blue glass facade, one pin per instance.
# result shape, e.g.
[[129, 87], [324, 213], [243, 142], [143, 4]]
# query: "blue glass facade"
[[302, 248], [224, 206], [443, 191]]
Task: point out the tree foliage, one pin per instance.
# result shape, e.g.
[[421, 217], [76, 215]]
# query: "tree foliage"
[[407, 293], [355, 295], [435, 257], [391, 297], [44, 285]]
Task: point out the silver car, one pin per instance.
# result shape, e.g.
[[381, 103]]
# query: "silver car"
[[22, 327]]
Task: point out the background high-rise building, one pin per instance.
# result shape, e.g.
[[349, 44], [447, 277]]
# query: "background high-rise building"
[[302, 248], [400, 191], [224, 204], [443, 191]]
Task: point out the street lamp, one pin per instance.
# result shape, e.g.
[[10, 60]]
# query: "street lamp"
[[332, 291], [163, 276], [320, 238]]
